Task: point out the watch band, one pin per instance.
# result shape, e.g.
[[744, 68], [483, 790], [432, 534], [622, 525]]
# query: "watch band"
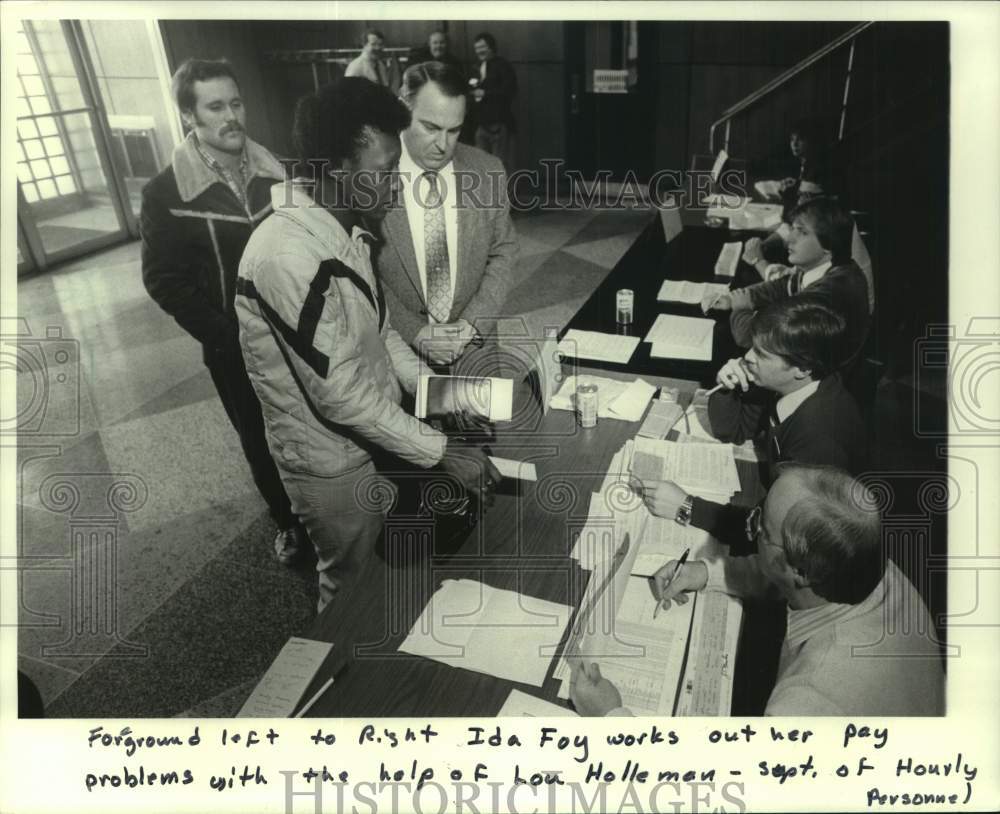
[[683, 515]]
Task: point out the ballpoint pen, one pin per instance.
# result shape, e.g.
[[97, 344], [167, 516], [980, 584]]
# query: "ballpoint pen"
[[680, 565]]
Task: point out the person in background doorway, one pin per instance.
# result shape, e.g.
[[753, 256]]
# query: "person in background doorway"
[[494, 86]]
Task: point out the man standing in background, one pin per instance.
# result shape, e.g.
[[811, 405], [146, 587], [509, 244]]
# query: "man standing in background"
[[372, 65], [437, 49], [494, 89], [197, 216]]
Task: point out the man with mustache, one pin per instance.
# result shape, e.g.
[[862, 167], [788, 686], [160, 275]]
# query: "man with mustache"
[[197, 216]]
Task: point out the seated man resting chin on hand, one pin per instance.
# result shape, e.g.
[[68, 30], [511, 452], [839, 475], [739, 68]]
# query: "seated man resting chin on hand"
[[784, 392]]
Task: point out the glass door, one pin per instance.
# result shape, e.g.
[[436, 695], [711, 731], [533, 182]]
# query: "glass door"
[[68, 198]]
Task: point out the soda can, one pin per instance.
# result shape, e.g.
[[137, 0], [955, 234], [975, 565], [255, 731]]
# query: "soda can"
[[625, 306], [586, 405]]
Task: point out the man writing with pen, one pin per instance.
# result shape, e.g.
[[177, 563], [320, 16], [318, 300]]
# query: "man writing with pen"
[[785, 394], [856, 641]]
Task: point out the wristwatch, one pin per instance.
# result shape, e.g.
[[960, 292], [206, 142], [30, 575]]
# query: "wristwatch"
[[683, 515]]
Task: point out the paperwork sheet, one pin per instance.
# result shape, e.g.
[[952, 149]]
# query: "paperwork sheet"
[[521, 705], [707, 688], [489, 630], [706, 470], [600, 346], [280, 690], [729, 258], [677, 337], [520, 470], [689, 292], [642, 656]]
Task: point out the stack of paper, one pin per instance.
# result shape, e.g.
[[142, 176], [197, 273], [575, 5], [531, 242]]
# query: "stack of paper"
[[688, 292], [625, 401], [489, 630], [768, 189], [642, 656], [756, 216], [696, 430], [600, 346], [675, 337], [705, 470], [729, 258]]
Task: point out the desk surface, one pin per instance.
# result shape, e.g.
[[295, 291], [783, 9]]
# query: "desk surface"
[[522, 543], [691, 255]]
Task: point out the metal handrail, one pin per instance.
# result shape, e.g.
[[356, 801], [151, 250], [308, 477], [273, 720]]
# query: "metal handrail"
[[781, 79]]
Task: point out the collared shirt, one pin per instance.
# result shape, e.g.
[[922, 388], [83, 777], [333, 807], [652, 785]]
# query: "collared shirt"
[[482, 70], [237, 181], [811, 276], [415, 191], [790, 402]]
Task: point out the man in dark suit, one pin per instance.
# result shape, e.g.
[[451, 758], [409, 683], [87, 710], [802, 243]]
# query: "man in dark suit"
[[785, 392], [449, 247], [493, 96]]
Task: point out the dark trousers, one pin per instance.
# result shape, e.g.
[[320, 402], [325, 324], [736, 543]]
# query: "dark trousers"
[[243, 408]]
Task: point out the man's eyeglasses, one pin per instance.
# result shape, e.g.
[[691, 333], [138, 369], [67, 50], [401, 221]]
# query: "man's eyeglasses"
[[753, 523]]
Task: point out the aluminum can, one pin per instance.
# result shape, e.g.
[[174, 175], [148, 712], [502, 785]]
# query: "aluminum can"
[[586, 405], [624, 306]]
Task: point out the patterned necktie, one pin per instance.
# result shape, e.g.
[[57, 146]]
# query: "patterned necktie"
[[436, 253], [795, 282]]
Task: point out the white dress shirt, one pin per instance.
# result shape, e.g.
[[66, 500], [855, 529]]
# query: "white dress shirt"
[[415, 191], [790, 402], [811, 276]]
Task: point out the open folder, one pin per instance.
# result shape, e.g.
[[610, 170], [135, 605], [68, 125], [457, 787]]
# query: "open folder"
[[489, 398]]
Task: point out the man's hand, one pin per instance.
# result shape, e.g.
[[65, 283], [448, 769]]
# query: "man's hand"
[[734, 374], [662, 497], [716, 302], [473, 469], [591, 694], [443, 344], [751, 251], [786, 184], [693, 576]]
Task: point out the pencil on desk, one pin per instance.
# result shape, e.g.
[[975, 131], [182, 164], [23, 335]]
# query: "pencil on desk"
[[315, 698]]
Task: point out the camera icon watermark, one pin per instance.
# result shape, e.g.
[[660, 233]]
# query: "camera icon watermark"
[[969, 363], [47, 371]]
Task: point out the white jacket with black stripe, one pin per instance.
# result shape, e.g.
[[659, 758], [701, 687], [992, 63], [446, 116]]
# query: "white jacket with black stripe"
[[314, 330]]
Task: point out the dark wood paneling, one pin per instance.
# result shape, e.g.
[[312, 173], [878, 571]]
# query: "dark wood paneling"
[[236, 41]]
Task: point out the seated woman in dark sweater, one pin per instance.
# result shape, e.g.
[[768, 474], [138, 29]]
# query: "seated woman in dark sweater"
[[786, 394]]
